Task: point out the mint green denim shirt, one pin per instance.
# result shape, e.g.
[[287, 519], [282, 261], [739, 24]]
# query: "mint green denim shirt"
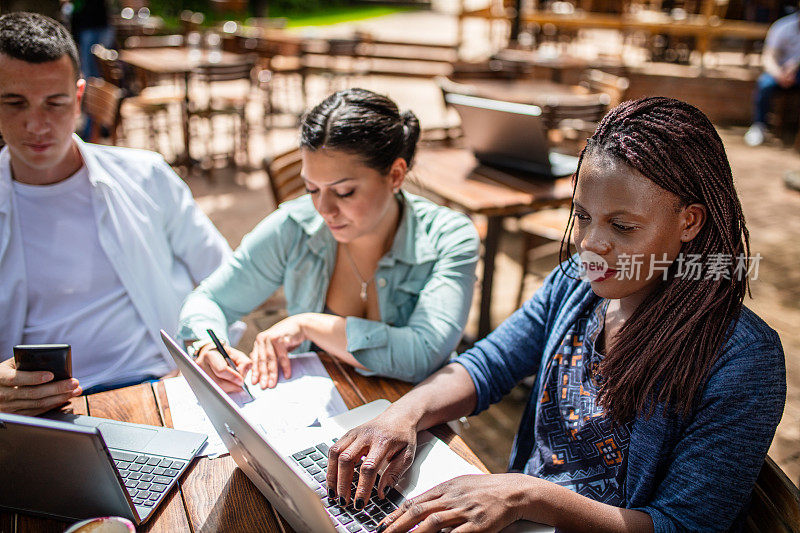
[[424, 284]]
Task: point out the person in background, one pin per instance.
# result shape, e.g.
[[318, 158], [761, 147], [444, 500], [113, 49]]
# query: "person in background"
[[377, 277], [656, 392], [90, 25], [781, 58], [99, 245]]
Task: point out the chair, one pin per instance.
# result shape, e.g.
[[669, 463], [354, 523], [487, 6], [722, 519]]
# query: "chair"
[[283, 173], [542, 232], [151, 101], [598, 81], [101, 103], [223, 89], [570, 124], [775, 503], [154, 41]]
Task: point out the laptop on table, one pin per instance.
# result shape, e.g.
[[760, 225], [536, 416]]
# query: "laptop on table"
[[291, 472], [508, 135], [74, 467]]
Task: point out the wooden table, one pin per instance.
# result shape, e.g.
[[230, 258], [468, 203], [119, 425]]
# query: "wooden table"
[[176, 61], [457, 179], [214, 495]]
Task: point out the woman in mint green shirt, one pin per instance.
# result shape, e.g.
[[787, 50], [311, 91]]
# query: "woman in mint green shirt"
[[377, 277]]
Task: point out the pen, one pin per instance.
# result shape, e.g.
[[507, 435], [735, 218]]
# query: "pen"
[[221, 349]]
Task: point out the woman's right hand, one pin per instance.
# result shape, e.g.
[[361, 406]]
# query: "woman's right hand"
[[212, 362], [389, 439]]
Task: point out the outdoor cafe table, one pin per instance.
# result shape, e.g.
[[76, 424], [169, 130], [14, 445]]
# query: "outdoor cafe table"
[[456, 179], [213, 494], [176, 61]]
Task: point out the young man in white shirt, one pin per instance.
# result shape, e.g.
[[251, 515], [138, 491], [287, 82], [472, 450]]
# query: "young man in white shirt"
[[98, 245]]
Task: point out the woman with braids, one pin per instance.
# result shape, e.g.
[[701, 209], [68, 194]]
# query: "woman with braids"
[[377, 277], [656, 392]]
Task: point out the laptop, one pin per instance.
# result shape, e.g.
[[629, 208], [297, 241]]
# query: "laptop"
[[74, 467], [508, 135], [290, 470]]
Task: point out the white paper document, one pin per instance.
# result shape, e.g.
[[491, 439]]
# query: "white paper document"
[[298, 402]]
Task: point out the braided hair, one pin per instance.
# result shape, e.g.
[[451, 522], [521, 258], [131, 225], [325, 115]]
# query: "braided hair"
[[664, 351]]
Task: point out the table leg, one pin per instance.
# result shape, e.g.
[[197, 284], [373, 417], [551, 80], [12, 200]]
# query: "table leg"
[[490, 245], [185, 159]]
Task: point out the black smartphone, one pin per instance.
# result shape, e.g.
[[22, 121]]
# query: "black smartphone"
[[55, 358]]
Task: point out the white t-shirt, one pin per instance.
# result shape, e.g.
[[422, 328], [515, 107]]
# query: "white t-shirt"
[[74, 294]]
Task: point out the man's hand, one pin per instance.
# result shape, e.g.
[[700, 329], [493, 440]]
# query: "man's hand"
[[229, 379], [32, 393], [788, 76]]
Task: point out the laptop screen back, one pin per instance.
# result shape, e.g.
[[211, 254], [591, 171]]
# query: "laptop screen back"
[[503, 133]]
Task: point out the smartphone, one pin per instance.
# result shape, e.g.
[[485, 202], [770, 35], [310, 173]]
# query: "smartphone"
[[55, 358]]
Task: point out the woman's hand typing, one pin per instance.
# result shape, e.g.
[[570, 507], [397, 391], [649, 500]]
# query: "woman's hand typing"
[[389, 440]]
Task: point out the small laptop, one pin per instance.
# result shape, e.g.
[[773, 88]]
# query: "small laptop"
[[74, 467], [511, 136], [291, 472]]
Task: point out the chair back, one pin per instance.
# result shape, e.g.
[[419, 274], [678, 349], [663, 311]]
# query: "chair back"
[[101, 104], [584, 112], [775, 504], [219, 72], [283, 172], [108, 63], [598, 81], [154, 41]]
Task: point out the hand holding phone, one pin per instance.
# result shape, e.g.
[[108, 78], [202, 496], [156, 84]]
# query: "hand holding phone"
[[55, 358], [37, 379]]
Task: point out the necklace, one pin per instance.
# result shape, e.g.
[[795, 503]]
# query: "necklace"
[[364, 284]]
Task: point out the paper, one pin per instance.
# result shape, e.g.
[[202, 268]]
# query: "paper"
[[294, 403]]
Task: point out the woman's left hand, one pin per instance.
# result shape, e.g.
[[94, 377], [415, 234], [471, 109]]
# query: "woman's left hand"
[[271, 350], [466, 504]]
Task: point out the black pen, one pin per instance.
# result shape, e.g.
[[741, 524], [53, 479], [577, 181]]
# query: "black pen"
[[221, 349]]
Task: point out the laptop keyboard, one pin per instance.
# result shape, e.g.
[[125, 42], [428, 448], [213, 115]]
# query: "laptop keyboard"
[[146, 477], [315, 462]]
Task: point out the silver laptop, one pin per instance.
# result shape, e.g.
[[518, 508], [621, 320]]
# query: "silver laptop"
[[291, 471], [509, 135], [74, 467]]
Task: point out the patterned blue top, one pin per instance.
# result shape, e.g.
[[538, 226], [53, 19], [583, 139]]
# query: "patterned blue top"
[[689, 474], [576, 446]]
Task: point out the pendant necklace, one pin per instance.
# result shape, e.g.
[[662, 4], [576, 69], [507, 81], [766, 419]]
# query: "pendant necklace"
[[364, 284]]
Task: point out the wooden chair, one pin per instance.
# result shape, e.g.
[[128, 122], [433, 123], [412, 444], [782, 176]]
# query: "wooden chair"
[[775, 504], [154, 41], [101, 104], [224, 89], [283, 172], [598, 81], [151, 102], [570, 124], [542, 232]]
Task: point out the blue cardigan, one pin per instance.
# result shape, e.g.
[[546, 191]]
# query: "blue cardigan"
[[693, 473]]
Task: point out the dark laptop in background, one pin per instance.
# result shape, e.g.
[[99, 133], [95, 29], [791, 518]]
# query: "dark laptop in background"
[[75, 467], [508, 135]]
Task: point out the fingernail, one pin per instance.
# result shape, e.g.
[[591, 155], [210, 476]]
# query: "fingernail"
[[342, 502], [78, 392], [331, 494], [359, 504]]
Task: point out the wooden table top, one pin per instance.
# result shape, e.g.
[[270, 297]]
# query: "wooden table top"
[[173, 60], [458, 178], [214, 495]]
